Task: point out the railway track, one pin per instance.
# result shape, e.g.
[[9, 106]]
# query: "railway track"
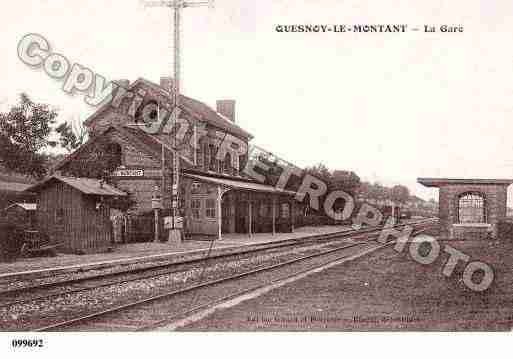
[[312, 258], [73, 286], [56, 288], [159, 264]]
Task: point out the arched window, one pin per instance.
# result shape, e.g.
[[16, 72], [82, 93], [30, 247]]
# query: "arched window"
[[147, 113], [471, 208]]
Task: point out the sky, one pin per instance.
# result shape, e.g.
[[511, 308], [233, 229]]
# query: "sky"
[[390, 106]]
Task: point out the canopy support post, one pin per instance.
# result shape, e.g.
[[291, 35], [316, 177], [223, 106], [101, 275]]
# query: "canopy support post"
[[219, 214], [250, 214], [274, 215]]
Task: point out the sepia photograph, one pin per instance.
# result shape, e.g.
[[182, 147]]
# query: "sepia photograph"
[[312, 171]]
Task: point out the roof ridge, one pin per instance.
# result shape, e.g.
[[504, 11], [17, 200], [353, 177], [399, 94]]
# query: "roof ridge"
[[105, 190], [199, 102]]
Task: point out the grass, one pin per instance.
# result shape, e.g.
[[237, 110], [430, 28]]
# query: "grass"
[[383, 291]]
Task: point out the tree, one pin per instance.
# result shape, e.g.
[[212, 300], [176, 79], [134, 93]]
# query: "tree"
[[338, 180], [377, 192], [99, 161], [400, 194], [321, 172], [24, 132], [72, 134], [363, 191], [347, 181]]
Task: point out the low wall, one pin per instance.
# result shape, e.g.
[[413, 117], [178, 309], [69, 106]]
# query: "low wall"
[[471, 231]]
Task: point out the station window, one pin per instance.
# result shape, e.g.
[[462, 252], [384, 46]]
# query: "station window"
[[199, 157], [59, 216], [471, 208], [210, 208], [285, 210], [205, 155], [227, 163], [182, 198], [235, 163], [264, 209], [213, 161], [196, 208]]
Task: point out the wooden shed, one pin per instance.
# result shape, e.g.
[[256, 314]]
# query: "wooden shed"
[[21, 214], [74, 212]]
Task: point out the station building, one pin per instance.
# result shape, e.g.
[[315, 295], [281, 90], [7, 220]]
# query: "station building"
[[216, 197]]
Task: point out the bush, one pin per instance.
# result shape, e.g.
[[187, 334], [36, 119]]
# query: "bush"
[[314, 220], [11, 240]]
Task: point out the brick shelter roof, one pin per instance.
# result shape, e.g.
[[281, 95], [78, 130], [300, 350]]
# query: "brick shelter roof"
[[437, 182]]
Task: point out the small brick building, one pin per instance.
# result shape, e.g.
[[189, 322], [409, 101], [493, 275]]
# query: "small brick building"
[[469, 208]]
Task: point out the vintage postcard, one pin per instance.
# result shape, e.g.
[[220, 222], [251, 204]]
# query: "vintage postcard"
[[255, 166]]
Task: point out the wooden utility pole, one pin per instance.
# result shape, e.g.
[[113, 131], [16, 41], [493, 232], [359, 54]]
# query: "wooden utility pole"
[[176, 6]]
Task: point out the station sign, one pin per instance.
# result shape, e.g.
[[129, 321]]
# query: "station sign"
[[129, 173], [156, 203]]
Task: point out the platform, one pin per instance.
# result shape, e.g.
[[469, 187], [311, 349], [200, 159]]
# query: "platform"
[[125, 254]]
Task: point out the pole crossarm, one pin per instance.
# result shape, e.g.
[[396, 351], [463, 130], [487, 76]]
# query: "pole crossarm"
[[176, 4]]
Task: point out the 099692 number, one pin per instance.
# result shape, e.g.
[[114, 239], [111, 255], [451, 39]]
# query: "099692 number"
[[27, 343]]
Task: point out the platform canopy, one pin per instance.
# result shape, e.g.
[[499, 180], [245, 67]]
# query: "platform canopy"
[[437, 182], [239, 184]]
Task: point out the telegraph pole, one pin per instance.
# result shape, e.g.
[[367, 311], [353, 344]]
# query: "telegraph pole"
[[176, 6]]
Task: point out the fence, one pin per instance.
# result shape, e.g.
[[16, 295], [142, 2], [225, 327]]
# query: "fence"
[[505, 229], [140, 229]]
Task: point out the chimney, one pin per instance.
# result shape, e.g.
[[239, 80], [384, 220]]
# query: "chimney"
[[226, 108], [166, 83], [122, 82]]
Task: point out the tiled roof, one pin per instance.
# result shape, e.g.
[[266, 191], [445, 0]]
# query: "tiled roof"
[[90, 186], [205, 112], [151, 143], [154, 142]]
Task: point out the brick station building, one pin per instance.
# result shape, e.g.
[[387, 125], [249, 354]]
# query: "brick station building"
[[215, 195], [469, 208]]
